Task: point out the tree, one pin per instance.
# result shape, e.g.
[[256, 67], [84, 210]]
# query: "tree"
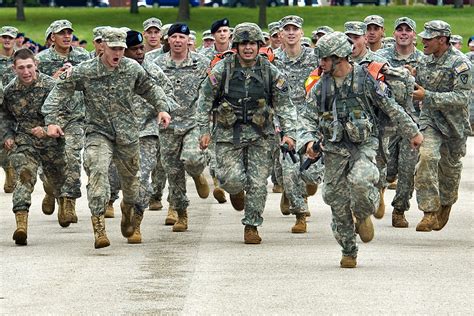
[[20, 10], [184, 13], [134, 6], [262, 13]]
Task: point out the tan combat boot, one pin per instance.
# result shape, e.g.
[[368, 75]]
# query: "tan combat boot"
[[277, 188], [63, 218], [284, 204], [98, 224], [126, 225], [202, 187], [398, 219], [70, 208], [172, 217], [348, 262], [379, 213], [251, 235], [443, 217], [10, 179], [238, 200], [300, 226], [428, 222], [109, 210], [365, 229], [182, 224], [136, 238], [218, 193], [154, 204], [311, 189], [20, 234], [48, 204]]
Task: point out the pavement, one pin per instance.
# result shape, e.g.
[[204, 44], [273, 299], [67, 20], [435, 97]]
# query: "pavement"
[[208, 270]]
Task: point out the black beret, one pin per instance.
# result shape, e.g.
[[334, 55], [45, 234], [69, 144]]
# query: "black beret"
[[179, 28], [133, 38], [217, 24]]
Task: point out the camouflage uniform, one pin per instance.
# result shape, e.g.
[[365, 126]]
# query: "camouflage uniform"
[[210, 52], [22, 112], [444, 120], [351, 174]]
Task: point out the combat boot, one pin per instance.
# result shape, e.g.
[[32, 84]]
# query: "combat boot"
[[48, 204], [154, 204], [98, 224], [126, 226], [238, 200], [365, 229], [348, 262], [136, 238], [202, 187], [10, 179], [300, 225], [381, 209], [70, 209], [109, 210], [20, 234], [277, 188], [251, 235], [398, 219], [172, 217], [63, 218], [284, 204], [311, 189], [218, 193], [443, 217], [428, 222], [182, 224]]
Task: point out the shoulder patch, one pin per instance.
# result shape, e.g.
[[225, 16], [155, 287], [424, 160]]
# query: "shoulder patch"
[[464, 78], [461, 68], [382, 88], [280, 83]]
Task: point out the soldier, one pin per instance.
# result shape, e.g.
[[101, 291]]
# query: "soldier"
[[192, 41], [179, 149], [207, 40], [54, 61], [266, 37], [25, 136], [245, 90], [47, 35], [444, 81], [97, 41], [341, 108], [274, 31], [296, 63], [109, 83], [402, 159], [152, 34], [220, 29], [375, 32], [320, 32], [456, 41]]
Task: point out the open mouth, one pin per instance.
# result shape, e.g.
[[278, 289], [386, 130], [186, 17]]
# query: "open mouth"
[[115, 59]]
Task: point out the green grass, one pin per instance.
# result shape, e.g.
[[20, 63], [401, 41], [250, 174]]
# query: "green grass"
[[85, 19]]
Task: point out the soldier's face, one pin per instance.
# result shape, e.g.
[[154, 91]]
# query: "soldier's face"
[[432, 45], [248, 51], [275, 40], [62, 39], [178, 43], [404, 35], [98, 46], [25, 69], [207, 42], [192, 45], [222, 35], [152, 36], [374, 33], [7, 42], [136, 52], [112, 56], [360, 43], [457, 45], [291, 34]]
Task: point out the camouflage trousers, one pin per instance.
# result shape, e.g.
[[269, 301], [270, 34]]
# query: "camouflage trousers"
[[277, 172], [148, 148], [99, 151], [402, 161], [158, 175], [73, 144], [114, 182], [349, 187], [180, 153], [438, 171], [381, 160], [246, 167], [212, 159], [26, 161]]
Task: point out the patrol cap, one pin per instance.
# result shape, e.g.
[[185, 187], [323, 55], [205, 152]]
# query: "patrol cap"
[[9, 31], [374, 19], [134, 38], [179, 28], [407, 21], [273, 28], [323, 29], [97, 32], [192, 33], [60, 25], [292, 20], [164, 30], [266, 35], [455, 39], [152, 22], [48, 32], [207, 35], [218, 24], [355, 27], [306, 41], [114, 37], [435, 28]]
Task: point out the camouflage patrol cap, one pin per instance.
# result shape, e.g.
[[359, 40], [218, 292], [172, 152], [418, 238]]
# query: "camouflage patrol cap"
[[152, 22], [355, 27], [48, 31], [266, 35], [455, 39], [164, 30], [323, 29], [97, 32], [60, 25], [9, 31], [273, 28], [206, 35], [306, 41], [114, 37], [247, 31], [292, 20], [335, 43], [374, 19], [435, 28], [407, 21]]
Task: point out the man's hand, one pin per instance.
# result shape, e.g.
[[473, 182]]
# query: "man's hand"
[[418, 93], [411, 69], [204, 141], [38, 132], [8, 144], [55, 131], [164, 119], [310, 152], [416, 141], [289, 141]]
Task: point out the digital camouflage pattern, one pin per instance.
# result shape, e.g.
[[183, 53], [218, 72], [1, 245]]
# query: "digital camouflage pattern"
[[6, 70], [335, 43], [355, 27], [247, 32], [435, 28]]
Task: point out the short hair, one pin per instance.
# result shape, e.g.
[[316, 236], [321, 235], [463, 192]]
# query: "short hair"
[[23, 53]]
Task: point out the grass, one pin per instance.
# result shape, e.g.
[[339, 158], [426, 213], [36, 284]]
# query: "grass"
[[85, 19]]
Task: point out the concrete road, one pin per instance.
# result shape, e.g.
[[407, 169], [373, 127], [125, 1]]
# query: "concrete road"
[[209, 270]]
